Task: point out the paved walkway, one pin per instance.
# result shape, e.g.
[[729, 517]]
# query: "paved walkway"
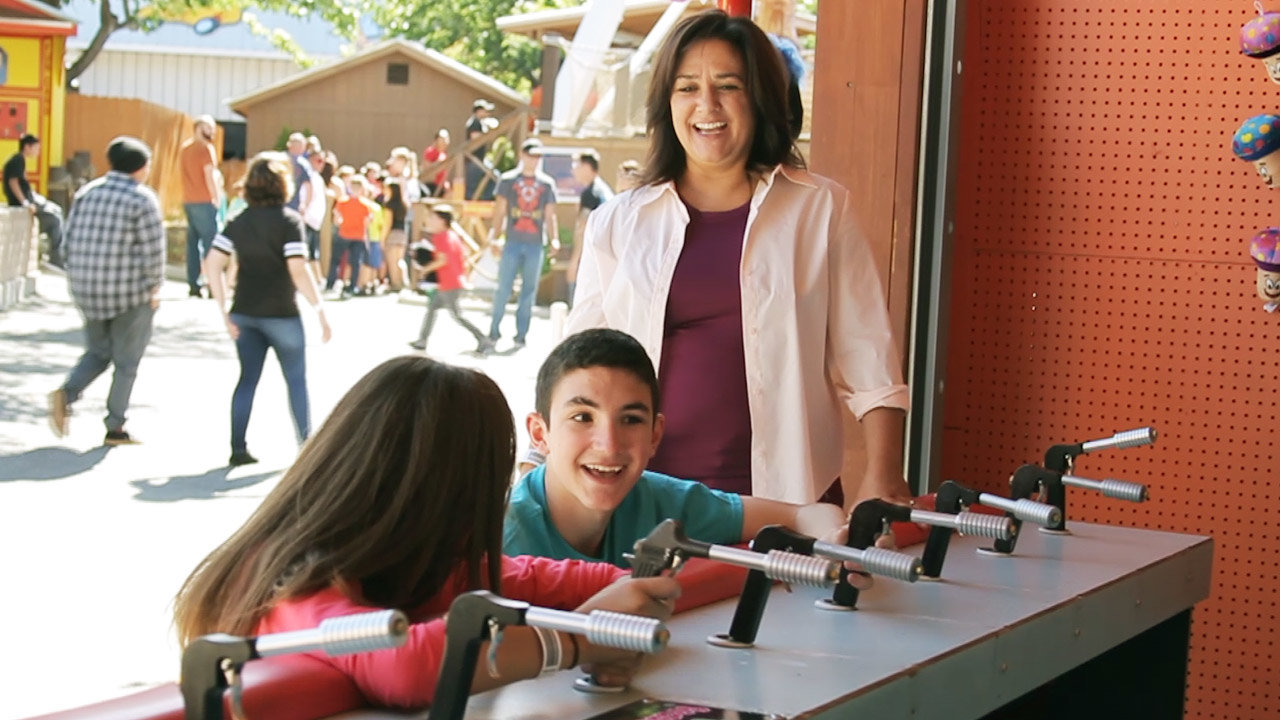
[[95, 541]]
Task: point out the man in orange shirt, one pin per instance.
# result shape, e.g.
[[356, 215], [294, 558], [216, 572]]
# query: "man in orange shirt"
[[200, 196]]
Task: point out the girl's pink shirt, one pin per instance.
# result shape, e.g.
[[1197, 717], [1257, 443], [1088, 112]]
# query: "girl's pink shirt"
[[405, 677]]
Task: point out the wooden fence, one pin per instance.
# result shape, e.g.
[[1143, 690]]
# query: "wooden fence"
[[92, 122]]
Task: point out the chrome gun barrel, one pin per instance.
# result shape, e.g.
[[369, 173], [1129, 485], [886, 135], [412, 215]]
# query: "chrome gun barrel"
[[603, 627], [340, 636]]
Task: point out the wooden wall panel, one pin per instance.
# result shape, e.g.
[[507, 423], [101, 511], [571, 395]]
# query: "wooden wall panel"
[[865, 124], [361, 117], [1102, 283]]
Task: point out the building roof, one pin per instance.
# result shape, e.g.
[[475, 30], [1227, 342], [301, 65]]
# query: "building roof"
[[638, 18], [215, 33], [28, 17], [484, 85]]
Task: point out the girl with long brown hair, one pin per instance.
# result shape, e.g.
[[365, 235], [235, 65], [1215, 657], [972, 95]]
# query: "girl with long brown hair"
[[397, 502]]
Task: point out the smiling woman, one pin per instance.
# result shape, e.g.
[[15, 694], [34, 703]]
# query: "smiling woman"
[[748, 281]]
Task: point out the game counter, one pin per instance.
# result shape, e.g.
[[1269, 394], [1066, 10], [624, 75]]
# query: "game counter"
[[1092, 623]]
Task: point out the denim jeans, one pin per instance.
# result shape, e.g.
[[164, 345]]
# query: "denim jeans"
[[118, 341], [355, 250], [49, 216], [285, 336], [526, 258], [202, 226]]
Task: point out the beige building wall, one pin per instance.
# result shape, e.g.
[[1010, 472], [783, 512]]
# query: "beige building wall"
[[360, 116]]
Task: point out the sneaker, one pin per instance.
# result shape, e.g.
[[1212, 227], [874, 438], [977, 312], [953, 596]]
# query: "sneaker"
[[58, 412], [418, 345], [486, 346], [241, 458], [519, 342], [120, 437]]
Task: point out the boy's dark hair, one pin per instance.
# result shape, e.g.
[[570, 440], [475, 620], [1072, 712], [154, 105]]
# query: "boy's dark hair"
[[27, 139], [600, 347], [444, 212], [589, 157]]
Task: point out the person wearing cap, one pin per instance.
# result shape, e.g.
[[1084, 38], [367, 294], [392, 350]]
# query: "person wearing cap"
[[201, 194], [595, 192], [438, 151], [524, 207], [450, 267], [297, 147], [115, 252], [475, 168]]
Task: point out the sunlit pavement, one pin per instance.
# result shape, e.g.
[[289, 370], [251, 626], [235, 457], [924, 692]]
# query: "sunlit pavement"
[[95, 541]]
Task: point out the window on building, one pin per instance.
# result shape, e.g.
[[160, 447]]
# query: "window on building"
[[397, 73]]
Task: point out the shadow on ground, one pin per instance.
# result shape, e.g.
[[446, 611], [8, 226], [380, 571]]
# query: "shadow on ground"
[[51, 463], [205, 486]]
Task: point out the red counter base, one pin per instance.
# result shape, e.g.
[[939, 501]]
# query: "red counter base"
[[289, 687]]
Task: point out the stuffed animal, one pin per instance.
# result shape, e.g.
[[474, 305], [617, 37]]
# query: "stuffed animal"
[[1260, 38], [1265, 251], [1257, 141]]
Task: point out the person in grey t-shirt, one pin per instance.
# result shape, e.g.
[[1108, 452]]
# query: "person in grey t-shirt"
[[524, 208]]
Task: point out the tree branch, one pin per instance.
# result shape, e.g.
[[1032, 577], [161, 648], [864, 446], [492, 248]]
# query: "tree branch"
[[108, 23]]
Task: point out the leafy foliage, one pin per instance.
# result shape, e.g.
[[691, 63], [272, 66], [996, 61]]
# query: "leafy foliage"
[[467, 31]]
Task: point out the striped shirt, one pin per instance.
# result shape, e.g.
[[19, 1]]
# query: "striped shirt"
[[114, 245]]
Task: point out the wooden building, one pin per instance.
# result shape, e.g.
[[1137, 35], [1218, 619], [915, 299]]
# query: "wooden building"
[[394, 93], [32, 80]]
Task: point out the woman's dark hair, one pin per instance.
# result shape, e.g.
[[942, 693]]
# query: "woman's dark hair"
[[269, 180], [395, 197], [767, 89], [403, 487]]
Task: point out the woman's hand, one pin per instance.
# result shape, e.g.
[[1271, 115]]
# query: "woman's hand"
[[886, 486], [232, 329], [325, 332], [651, 597]]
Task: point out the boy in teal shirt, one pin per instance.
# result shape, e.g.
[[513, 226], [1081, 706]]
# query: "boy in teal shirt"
[[597, 421]]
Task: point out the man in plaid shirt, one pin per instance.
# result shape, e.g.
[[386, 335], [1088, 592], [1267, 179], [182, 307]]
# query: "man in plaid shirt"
[[115, 252]]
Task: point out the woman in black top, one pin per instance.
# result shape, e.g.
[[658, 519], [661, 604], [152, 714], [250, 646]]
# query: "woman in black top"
[[394, 239], [270, 243]]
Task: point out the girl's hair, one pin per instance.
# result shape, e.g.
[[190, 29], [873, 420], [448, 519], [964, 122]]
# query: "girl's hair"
[[269, 180], [403, 486], [395, 196], [767, 90]]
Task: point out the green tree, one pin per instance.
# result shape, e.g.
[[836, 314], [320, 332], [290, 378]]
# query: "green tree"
[[467, 31], [147, 15]]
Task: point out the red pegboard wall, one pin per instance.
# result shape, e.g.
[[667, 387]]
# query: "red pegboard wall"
[[1102, 282]]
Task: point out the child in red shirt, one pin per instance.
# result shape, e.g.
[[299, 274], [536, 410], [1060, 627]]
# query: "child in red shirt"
[[397, 502], [451, 278]]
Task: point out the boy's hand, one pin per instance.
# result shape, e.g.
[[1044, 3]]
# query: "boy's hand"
[[652, 597]]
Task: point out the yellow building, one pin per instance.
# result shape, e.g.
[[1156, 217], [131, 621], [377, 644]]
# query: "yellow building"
[[33, 82]]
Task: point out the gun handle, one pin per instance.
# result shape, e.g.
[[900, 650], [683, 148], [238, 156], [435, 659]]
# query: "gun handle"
[[755, 591]]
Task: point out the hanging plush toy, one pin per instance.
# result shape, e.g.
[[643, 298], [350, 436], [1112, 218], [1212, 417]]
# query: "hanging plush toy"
[[1258, 141], [1260, 38], [1265, 251]]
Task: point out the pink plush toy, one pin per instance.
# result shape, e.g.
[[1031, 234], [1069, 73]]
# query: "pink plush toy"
[[1260, 38], [1265, 251]]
